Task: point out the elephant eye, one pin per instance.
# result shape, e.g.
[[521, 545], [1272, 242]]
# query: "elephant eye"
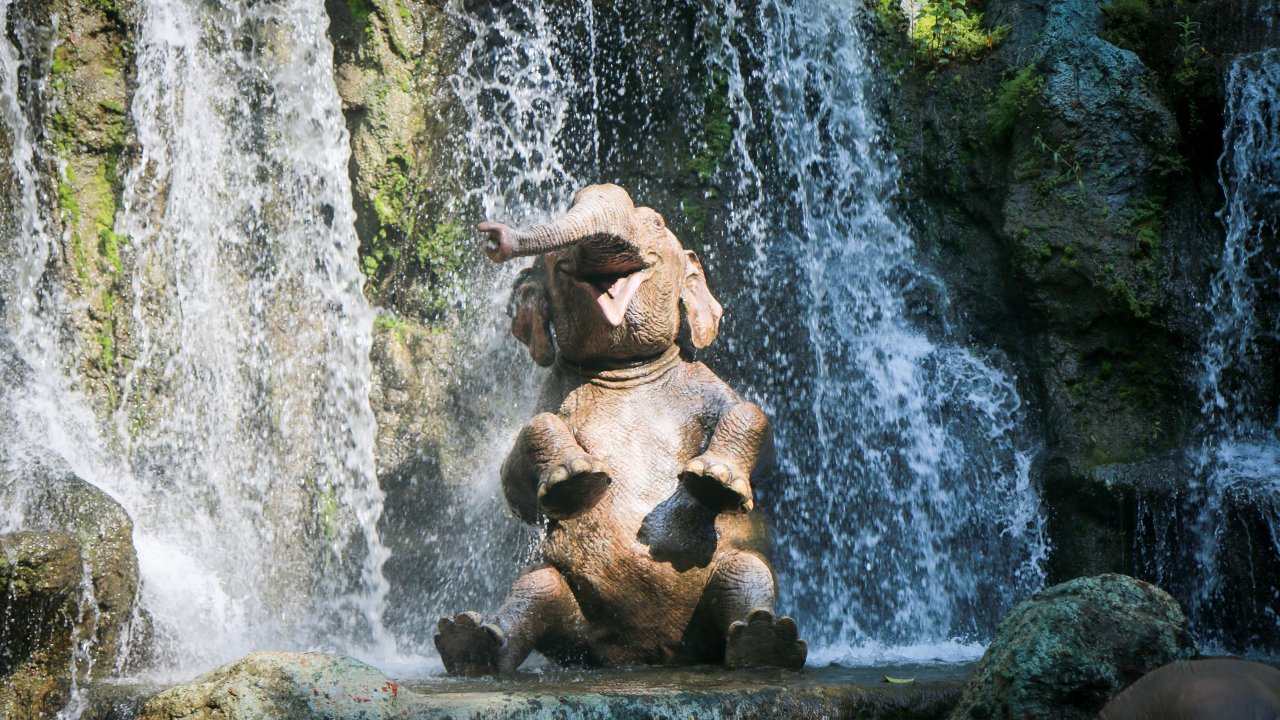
[[658, 221]]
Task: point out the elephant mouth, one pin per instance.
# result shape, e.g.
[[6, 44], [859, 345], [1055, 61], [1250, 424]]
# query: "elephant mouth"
[[612, 291]]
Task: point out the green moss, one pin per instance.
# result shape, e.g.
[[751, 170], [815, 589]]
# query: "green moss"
[[442, 253], [361, 10], [716, 131], [394, 214], [109, 243], [1011, 101], [327, 512], [398, 327]]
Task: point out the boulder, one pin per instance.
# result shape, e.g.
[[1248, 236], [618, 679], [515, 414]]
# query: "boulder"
[[281, 685], [1064, 652], [57, 500], [40, 578]]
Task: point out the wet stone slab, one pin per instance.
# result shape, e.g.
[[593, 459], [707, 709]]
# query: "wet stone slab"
[[700, 692], [831, 692]]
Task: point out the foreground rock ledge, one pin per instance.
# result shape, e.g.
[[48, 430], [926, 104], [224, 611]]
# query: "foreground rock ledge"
[[315, 685]]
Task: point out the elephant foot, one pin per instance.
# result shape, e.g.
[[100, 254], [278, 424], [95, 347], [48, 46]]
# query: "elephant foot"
[[717, 484], [468, 645], [573, 487], [765, 640]]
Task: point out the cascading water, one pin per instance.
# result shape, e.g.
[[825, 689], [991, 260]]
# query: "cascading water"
[[1239, 459], [242, 440], [903, 511]]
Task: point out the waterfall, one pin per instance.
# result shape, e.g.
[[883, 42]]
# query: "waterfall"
[[1238, 464], [241, 441], [905, 519]]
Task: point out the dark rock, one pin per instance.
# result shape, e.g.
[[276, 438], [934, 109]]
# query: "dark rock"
[[1063, 653], [40, 590], [58, 500]]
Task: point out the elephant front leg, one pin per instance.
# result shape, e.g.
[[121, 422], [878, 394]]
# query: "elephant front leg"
[[549, 473], [540, 613], [720, 478], [739, 600]]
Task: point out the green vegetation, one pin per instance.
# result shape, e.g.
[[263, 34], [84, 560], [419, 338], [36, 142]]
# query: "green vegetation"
[[716, 132], [1012, 100], [394, 213], [1127, 24], [361, 10], [441, 254], [389, 321], [947, 31], [1069, 170]]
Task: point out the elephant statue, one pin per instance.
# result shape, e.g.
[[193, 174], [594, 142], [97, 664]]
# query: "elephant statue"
[[639, 465]]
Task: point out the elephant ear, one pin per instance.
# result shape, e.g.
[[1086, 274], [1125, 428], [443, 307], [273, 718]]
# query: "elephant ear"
[[701, 309], [529, 308]]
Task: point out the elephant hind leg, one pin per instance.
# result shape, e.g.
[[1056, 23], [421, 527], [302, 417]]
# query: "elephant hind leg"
[[740, 599], [539, 613]]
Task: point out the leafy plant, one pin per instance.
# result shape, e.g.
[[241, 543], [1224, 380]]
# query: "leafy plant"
[[1127, 24], [1070, 170], [1011, 101], [946, 31]]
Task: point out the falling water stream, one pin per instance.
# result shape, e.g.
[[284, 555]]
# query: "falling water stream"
[[1239, 460]]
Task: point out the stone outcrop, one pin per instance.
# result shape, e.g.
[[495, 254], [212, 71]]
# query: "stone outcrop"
[[68, 587], [1064, 652], [61, 502], [1065, 185], [279, 685], [40, 595]]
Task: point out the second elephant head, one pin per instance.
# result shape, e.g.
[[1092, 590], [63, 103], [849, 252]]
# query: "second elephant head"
[[609, 283]]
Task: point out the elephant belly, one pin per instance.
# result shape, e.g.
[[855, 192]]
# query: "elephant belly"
[[639, 560], [637, 607]]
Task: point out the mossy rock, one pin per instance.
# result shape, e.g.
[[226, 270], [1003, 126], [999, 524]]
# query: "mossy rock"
[[1064, 652], [281, 685]]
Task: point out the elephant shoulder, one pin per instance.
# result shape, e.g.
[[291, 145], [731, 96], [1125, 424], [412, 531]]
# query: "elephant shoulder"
[[699, 378]]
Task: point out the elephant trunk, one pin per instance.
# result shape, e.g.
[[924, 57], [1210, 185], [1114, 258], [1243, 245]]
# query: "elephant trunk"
[[598, 210]]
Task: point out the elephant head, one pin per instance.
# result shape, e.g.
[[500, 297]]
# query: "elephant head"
[[610, 280]]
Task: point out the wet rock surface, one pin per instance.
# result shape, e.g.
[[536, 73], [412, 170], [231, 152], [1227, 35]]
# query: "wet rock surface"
[[40, 576], [1064, 652], [103, 531], [313, 685]]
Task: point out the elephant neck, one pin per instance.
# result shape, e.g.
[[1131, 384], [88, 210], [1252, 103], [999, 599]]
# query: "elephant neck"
[[622, 373]]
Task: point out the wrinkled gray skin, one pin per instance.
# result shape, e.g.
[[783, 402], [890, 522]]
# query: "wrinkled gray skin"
[[1213, 689], [640, 463]]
